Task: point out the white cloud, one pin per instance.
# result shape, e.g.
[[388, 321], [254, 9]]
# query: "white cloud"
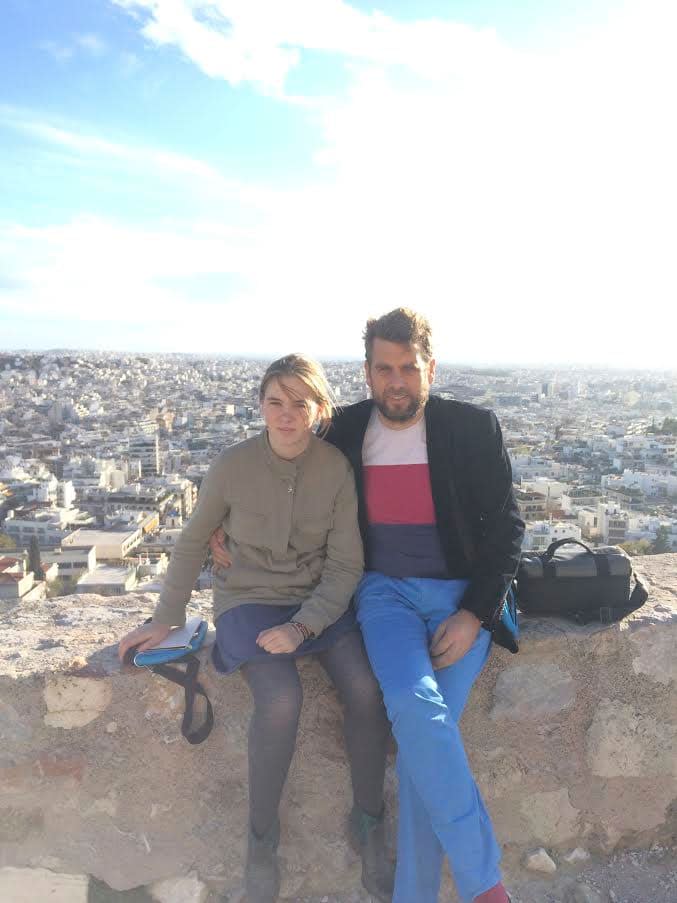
[[155, 161], [94, 269], [60, 52], [525, 201], [258, 41], [91, 43]]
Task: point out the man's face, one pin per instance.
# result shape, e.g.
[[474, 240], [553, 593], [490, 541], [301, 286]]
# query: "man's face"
[[399, 379]]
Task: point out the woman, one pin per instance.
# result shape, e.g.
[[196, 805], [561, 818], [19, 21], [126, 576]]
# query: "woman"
[[287, 503]]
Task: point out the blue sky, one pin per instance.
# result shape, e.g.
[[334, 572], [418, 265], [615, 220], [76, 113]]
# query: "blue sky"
[[242, 176]]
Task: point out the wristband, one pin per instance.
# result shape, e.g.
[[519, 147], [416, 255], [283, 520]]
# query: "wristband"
[[306, 632]]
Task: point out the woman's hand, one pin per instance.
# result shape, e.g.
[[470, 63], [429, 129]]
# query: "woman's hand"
[[217, 545], [285, 638], [143, 638]]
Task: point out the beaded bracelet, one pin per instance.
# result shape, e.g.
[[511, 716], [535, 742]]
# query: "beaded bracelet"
[[305, 632]]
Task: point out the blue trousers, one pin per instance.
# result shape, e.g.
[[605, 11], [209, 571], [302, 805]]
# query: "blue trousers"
[[440, 808]]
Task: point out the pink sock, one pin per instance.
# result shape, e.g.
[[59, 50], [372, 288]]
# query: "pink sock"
[[496, 894]]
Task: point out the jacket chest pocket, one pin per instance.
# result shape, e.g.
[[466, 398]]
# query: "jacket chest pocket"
[[249, 527], [310, 534]]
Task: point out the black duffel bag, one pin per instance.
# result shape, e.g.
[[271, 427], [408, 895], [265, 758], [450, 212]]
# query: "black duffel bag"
[[571, 580]]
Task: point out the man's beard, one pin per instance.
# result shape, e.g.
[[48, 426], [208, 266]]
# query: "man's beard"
[[401, 415]]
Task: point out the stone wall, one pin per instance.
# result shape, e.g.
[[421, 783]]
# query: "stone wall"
[[573, 742]]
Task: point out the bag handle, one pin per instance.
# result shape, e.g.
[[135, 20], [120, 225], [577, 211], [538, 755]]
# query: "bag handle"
[[552, 548]]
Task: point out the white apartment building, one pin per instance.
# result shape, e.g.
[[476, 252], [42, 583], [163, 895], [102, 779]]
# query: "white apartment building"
[[580, 497], [146, 449], [613, 524], [532, 505], [646, 448], [50, 526], [652, 483], [15, 580], [551, 490], [539, 534], [606, 523], [529, 467], [50, 491], [65, 494], [110, 545], [589, 521], [108, 580], [71, 562]]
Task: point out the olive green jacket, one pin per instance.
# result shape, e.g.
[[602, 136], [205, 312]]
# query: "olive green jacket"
[[291, 531]]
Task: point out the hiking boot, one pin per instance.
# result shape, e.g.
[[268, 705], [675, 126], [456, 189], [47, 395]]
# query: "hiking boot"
[[262, 870], [367, 837]]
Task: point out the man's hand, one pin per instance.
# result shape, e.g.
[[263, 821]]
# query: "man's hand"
[[217, 544], [453, 638], [144, 637], [285, 638]]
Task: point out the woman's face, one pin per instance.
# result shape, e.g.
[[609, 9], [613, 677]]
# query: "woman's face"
[[289, 413]]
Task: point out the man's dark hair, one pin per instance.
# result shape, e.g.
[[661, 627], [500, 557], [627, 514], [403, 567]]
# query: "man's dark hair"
[[403, 326]]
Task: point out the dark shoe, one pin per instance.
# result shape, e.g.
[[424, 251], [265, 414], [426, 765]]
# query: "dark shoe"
[[496, 894], [262, 871], [367, 838]]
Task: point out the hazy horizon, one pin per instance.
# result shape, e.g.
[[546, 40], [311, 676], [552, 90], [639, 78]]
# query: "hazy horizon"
[[257, 357]]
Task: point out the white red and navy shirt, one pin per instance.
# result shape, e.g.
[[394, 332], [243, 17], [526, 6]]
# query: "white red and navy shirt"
[[403, 536]]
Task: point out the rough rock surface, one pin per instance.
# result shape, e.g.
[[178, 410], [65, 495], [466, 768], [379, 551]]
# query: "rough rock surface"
[[540, 861], [96, 779]]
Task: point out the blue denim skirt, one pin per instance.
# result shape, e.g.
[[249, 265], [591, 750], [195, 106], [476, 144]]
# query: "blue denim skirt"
[[238, 628]]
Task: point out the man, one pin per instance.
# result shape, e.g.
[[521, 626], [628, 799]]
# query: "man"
[[442, 537]]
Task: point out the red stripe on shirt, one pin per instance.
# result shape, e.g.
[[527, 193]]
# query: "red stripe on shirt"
[[399, 494]]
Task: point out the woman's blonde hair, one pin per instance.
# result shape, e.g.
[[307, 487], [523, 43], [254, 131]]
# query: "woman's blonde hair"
[[313, 378]]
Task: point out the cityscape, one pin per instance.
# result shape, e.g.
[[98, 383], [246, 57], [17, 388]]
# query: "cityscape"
[[102, 454]]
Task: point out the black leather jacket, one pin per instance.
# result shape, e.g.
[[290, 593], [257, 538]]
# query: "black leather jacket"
[[477, 516]]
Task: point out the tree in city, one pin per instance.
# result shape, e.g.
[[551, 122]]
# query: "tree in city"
[[636, 546], [7, 544], [662, 541], [669, 427], [34, 563], [56, 587]]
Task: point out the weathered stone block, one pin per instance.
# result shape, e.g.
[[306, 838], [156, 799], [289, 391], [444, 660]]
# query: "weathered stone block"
[[187, 889], [656, 655], [20, 885], [532, 691], [14, 731], [550, 816], [17, 824], [75, 701], [624, 741]]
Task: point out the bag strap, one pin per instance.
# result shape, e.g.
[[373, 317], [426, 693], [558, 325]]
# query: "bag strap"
[[188, 680]]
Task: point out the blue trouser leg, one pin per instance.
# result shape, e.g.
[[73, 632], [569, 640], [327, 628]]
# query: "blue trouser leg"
[[418, 873], [440, 798]]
